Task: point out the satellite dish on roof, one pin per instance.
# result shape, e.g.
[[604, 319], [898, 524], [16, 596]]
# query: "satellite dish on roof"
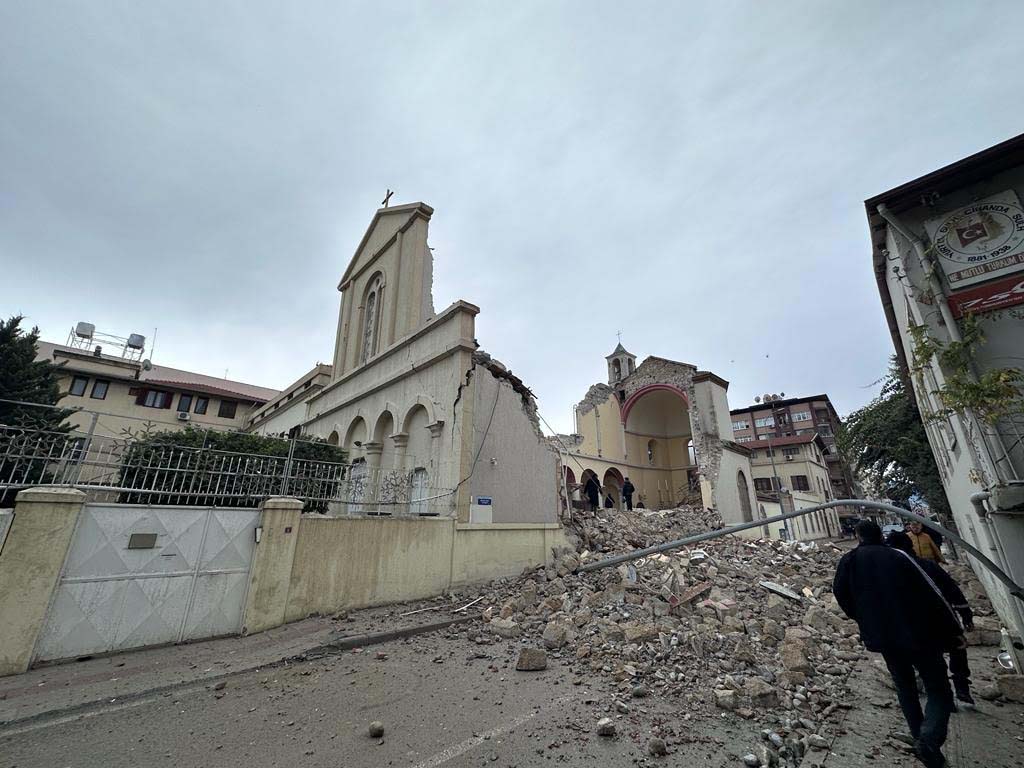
[[783, 394], [147, 365], [757, 399]]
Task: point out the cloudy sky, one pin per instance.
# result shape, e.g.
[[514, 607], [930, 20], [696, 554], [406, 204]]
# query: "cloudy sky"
[[691, 174]]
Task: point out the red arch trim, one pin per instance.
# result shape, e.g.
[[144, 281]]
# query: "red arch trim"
[[632, 399]]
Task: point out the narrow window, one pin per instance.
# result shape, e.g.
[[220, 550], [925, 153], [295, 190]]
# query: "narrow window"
[[184, 403], [154, 398], [800, 483], [202, 403], [78, 385], [99, 389], [227, 409]]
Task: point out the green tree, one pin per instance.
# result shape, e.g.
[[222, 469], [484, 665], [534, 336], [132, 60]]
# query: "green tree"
[[197, 466], [886, 440], [26, 430]]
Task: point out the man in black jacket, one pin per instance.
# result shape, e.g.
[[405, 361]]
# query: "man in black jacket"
[[958, 666], [628, 489], [902, 615]]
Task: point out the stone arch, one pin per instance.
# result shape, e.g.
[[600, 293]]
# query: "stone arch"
[[422, 401], [633, 399], [415, 426], [334, 438], [612, 486], [384, 425], [355, 438], [570, 476], [743, 488]]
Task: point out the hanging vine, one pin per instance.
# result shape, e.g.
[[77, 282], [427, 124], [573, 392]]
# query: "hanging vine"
[[993, 394]]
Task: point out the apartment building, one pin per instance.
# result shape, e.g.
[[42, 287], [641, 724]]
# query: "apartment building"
[[948, 255], [779, 417], [106, 378]]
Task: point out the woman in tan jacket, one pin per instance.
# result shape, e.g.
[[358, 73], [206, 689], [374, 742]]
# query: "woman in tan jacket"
[[924, 545]]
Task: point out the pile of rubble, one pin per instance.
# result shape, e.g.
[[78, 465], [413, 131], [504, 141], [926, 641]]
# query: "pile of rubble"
[[747, 627]]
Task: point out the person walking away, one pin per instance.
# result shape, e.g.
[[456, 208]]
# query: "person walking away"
[[901, 615], [628, 489], [959, 669], [924, 545], [593, 492]]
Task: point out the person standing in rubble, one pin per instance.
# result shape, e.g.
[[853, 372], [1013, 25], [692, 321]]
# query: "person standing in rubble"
[[903, 616], [628, 489], [593, 492], [925, 546], [959, 669]]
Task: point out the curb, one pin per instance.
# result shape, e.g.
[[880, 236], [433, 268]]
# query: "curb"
[[97, 706]]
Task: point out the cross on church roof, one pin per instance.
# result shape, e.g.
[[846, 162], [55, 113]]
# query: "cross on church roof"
[[387, 198]]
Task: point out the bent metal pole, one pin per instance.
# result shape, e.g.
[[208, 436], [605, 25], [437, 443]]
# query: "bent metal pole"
[[1015, 589]]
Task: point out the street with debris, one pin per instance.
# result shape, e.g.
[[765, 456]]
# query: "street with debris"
[[726, 654]]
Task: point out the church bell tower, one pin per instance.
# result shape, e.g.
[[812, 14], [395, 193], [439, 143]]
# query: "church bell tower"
[[620, 364]]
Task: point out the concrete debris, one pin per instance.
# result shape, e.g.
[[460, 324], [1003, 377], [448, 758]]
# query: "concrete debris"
[[1011, 687], [376, 729], [531, 660], [606, 727], [778, 589], [735, 629], [657, 747]]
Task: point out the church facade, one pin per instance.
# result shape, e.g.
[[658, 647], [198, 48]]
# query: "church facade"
[[666, 426], [412, 398]]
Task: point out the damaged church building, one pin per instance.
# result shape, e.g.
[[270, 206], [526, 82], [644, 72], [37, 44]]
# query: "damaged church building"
[[434, 426], [413, 399], [666, 426]]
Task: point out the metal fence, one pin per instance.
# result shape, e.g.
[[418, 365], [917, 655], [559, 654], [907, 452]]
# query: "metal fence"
[[137, 471]]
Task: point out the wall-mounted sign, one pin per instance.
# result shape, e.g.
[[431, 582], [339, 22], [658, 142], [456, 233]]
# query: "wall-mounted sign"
[[980, 241], [999, 294], [484, 501]]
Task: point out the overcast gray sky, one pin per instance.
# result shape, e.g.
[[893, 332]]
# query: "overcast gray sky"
[[690, 174]]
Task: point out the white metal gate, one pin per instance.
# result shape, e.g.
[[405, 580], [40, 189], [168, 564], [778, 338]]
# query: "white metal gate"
[[146, 575]]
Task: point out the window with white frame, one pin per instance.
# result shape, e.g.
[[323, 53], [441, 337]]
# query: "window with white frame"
[[766, 421], [801, 416], [738, 425]]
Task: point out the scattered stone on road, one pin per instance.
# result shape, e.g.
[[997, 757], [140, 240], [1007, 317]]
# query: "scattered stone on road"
[[657, 747], [376, 729], [532, 660], [606, 727]]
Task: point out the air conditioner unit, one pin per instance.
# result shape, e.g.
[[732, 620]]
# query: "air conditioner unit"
[[183, 416], [788, 458]]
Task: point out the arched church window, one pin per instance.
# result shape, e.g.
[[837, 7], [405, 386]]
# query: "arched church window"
[[631, 366], [617, 369], [652, 451], [743, 490], [691, 452], [371, 319]]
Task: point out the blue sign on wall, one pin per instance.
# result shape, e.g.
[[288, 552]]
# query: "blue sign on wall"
[[483, 501]]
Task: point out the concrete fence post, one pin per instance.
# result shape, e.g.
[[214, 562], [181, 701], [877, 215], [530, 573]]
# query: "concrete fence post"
[[30, 566], [271, 574]]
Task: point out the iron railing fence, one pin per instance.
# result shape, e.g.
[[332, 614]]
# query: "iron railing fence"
[[138, 471]]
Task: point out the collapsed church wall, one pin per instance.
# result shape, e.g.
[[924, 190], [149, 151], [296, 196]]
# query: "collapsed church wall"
[[515, 466]]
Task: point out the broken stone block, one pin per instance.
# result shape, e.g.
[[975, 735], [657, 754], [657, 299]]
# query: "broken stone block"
[[794, 656], [606, 727], [641, 633], [816, 741], [1011, 687], [820, 618], [504, 627], [776, 608], [761, 693], [657, 747], [556, 634], [532, 660], [726, 699]]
